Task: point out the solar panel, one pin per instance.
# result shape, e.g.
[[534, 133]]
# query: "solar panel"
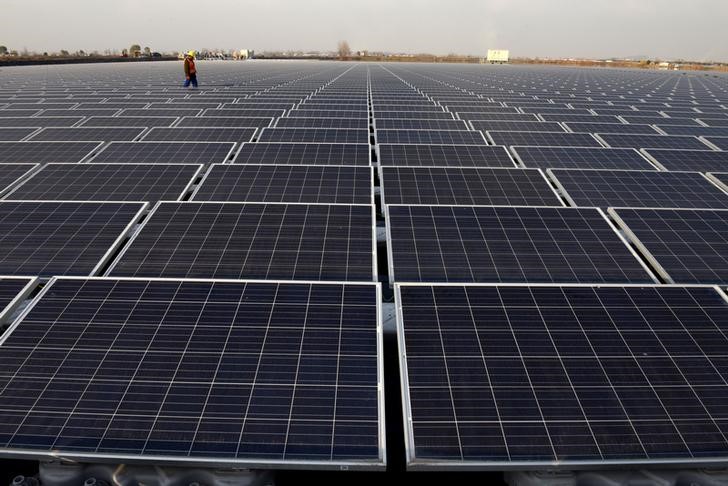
[[507, 244], [639, 189], [720, 179], [580, 158], [7, 113], [445, 137], [128, 121], [358, 123], [260, 241], [234, 374], [314, 113], [171, 111], [199, 134], [611, 128], [185, 103], [51, 121], [242, 112], [651, 141], [658, 120], [695, 131], [252, 104], [303, 153], [481, 116], [715, 122], [315, 135], [43, 152], [562, 376], [548, 139], [466, 186], [443, 155], [517, 126], [580, 118], [94, 112], [165, 152], [684, 245], [112, 105], [108, 182], [224, 121], [544, 109], [420, 115], [36, 106], [720, 142], [99, 134], [689, 160], [15, 134], [416, 124], [489, 109], [287, 183], [10, 174], [334, 105], [61, 238], [13, 290]]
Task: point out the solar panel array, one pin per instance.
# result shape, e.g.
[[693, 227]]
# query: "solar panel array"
[[253, 241], [529, 375], [211, 265], [242, 373], [107, 182]]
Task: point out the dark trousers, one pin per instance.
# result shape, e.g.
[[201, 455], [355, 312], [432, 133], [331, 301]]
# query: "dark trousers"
[[191, 80]]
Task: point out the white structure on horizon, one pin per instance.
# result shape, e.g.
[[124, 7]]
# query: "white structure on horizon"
[[498, 56], [243, 54]]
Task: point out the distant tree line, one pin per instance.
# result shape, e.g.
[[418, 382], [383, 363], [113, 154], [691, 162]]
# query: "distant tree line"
[[134, 51]]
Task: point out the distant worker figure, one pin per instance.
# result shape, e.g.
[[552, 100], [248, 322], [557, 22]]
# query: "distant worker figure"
[[190, 70]]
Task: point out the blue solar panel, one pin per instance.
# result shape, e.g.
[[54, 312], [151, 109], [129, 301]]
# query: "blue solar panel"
[[444, 137], [644, 189], [260, 241], [165, 152], [466, 186], [507, 244], [548, 139], [43, 152], [231, 373], [304, 154], [13, 290], [16, 134], [689, 160], [581, 158], [108, 182], [287, 183], [100, 134], [11, 174], [651, 141], [686, 245], [443, 155], [62, 238], [315, 135], [562, 376], [199, 134]]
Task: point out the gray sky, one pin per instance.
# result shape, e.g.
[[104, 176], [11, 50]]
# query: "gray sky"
[[691, 29]]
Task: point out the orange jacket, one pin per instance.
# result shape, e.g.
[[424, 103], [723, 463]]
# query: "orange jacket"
[[190, 66]]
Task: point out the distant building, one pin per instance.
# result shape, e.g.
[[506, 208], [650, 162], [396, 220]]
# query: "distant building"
[[498, 56], [244, 54]]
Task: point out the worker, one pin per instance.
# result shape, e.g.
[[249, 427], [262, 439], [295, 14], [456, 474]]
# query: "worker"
[[190, 70]]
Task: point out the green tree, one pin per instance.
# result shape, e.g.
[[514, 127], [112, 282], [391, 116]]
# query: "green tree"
[[135, 50], [64, 52], [147, 52], [3, 50]]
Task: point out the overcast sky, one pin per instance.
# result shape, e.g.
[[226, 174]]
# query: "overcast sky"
[[692, 29]]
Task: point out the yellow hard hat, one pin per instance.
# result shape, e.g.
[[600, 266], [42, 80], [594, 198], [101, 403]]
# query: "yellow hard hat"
[[191, 53]]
